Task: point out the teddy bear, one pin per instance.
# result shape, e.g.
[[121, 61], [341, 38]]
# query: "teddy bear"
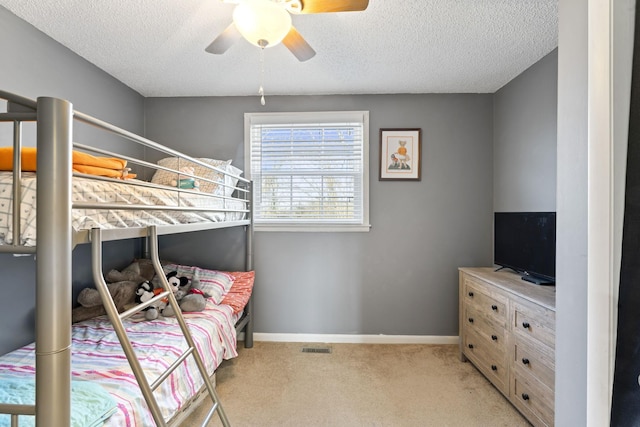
[[122, 286], [186, 182], [138, 270]]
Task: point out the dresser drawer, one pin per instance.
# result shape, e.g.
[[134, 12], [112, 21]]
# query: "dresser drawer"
[[494, 334], [493, 365], [532, 398], [535, 322], [489, 303], [536, 361]]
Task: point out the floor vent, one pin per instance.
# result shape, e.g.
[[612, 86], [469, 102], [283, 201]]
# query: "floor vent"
[[316, 350]]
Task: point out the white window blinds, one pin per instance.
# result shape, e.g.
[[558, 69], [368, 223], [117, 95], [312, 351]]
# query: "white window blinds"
[[309, 169]]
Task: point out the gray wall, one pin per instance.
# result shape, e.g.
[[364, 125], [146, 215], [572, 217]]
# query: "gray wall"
[[525, 138], [401, 277], [34, 65]]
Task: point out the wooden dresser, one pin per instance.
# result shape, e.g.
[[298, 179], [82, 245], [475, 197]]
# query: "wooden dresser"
[[507, 330]]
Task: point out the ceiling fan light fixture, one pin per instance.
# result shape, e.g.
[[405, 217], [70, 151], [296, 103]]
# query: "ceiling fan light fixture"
[[262, 22]]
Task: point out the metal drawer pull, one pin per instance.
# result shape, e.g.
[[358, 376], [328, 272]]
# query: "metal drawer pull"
[[494, 307], [470, 345], [525, 360], [470, 319], [471, 294], [494, 368], [526, 325], [494, 337], [525, 396]]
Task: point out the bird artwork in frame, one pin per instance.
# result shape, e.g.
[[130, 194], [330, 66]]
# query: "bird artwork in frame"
[[400, 152]]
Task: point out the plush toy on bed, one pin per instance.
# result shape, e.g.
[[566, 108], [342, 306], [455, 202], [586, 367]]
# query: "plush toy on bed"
[[190, 298], [122, 286], [147, 290], [144, 292], [195, 298], [186, 182], [176, 283]]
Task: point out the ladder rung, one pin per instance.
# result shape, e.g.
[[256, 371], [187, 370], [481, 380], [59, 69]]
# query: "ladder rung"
[[138, 308], [171, 368], [210, 414], [14, 408]]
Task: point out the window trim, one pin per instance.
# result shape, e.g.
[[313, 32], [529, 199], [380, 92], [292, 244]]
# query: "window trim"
[[313, 117]]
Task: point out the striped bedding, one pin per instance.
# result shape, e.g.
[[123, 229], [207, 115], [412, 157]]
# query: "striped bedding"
[[97, 356], [98, 191]]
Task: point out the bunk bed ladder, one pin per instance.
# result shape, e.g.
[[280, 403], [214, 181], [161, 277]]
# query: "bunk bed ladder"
[[116, 319]]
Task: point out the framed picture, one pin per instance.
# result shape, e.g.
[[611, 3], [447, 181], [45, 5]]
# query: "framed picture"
[[400, 152]]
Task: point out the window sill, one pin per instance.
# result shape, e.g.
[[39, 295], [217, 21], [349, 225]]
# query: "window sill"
[[312, 228]]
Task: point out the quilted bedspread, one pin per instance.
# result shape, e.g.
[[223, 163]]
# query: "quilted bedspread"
[[97, 356]]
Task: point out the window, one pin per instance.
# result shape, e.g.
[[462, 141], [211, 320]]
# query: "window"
[[310, 171]]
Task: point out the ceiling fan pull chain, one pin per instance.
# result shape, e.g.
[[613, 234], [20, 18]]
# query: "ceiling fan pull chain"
[[261, 90]]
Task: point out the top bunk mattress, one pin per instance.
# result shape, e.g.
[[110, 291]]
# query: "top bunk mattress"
[[113, 192]]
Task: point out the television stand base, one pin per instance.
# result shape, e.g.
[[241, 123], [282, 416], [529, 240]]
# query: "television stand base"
[[503, 267], [537, 280]]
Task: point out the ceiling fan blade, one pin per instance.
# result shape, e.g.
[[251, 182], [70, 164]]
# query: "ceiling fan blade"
[[224, 41], [323, 6], [298, 45]]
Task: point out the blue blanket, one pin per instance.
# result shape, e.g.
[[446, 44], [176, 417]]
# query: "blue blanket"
[[91, 405]]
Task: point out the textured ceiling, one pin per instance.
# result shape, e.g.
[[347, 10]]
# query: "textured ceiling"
[[157, 47]]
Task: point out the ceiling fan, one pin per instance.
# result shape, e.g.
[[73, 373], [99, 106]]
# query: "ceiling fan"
[[266, 23]]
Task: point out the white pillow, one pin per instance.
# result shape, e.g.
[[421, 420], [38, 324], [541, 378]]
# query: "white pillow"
[[214, 283], [163, 177], [230, 181]]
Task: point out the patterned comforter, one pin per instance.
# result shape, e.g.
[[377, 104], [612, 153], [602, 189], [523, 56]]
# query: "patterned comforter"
[[98, 357]]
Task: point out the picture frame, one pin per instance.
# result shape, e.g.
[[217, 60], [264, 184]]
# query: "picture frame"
[[400, 154]]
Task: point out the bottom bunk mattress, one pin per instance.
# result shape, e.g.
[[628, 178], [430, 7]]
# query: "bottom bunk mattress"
[[97, 357]]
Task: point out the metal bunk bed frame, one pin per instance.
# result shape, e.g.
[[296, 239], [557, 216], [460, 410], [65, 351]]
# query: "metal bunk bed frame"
[[56, 240]]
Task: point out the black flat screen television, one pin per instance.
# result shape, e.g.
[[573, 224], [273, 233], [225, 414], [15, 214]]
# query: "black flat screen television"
[[526, 243]]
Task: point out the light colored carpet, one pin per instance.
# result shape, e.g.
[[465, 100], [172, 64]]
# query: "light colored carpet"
[[276, 384]]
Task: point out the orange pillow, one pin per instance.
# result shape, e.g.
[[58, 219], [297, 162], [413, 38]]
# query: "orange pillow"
[[240, 292]]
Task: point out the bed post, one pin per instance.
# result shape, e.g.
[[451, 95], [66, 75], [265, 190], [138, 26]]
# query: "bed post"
[[53, 266], [248, 330]]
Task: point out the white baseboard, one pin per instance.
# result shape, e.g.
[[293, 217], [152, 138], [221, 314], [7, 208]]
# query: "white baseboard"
[[356, 339]]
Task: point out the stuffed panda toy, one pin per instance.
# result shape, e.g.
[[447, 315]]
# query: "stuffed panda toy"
[[177, 285], [146, 290], [144, 293]]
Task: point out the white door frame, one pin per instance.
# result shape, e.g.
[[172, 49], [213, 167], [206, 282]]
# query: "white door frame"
[[610, 33]]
